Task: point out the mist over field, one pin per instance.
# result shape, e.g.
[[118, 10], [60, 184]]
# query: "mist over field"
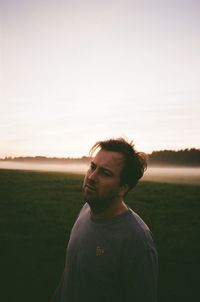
[[173, 175], [71, 168], [157, 174]]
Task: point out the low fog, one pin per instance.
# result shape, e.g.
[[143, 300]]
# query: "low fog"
[[74, 168], [158, 174]]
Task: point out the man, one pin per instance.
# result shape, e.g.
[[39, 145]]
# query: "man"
[[110, 255]]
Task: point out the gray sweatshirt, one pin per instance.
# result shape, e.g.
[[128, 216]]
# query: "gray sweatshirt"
[[109, 260]]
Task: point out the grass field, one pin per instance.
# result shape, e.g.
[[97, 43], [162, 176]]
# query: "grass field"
[[38, 209]]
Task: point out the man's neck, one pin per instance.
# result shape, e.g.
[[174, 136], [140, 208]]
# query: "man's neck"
[[114, 210]]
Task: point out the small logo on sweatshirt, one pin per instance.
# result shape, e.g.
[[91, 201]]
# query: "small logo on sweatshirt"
[[99, 251]]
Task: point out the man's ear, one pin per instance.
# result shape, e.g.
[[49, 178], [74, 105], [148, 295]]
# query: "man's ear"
[[123, 190]]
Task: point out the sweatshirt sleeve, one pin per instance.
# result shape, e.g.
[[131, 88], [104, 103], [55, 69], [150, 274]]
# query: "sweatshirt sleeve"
[[139, 269]]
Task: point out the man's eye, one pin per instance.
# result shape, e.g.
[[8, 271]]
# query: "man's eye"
[[106, 173], [92, 167]]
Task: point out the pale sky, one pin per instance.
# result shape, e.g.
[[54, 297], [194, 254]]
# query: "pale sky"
[[76, 71]]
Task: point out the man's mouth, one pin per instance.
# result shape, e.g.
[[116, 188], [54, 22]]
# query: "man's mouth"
[[90, 187]]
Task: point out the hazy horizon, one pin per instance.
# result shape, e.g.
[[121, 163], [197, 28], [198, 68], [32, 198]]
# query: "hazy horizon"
[[182, 175], [81, 156]]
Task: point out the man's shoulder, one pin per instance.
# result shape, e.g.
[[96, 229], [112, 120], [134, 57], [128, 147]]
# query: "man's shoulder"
[[136, 229], [82, 216], [135, 222]]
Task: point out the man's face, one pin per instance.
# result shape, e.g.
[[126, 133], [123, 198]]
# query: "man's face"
[[101, 186]]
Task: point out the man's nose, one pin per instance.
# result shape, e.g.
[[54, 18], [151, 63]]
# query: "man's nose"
[[93, 176]]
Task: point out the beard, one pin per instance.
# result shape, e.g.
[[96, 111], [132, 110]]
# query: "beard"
[[99, 204]]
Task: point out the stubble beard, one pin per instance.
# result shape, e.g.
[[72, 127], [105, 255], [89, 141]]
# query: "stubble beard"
[[99, 205]]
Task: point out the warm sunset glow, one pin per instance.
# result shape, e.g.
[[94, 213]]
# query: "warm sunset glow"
[[74, 72]]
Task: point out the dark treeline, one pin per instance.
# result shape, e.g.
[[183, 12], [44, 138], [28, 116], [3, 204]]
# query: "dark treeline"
[[186, 157]]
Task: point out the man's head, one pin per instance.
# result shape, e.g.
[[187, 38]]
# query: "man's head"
[[114, 170]]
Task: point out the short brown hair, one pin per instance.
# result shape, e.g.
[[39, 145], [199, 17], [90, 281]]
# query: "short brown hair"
[[135, 162]]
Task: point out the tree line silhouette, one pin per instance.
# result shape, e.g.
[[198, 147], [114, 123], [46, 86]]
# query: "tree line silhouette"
[[186, 157]]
